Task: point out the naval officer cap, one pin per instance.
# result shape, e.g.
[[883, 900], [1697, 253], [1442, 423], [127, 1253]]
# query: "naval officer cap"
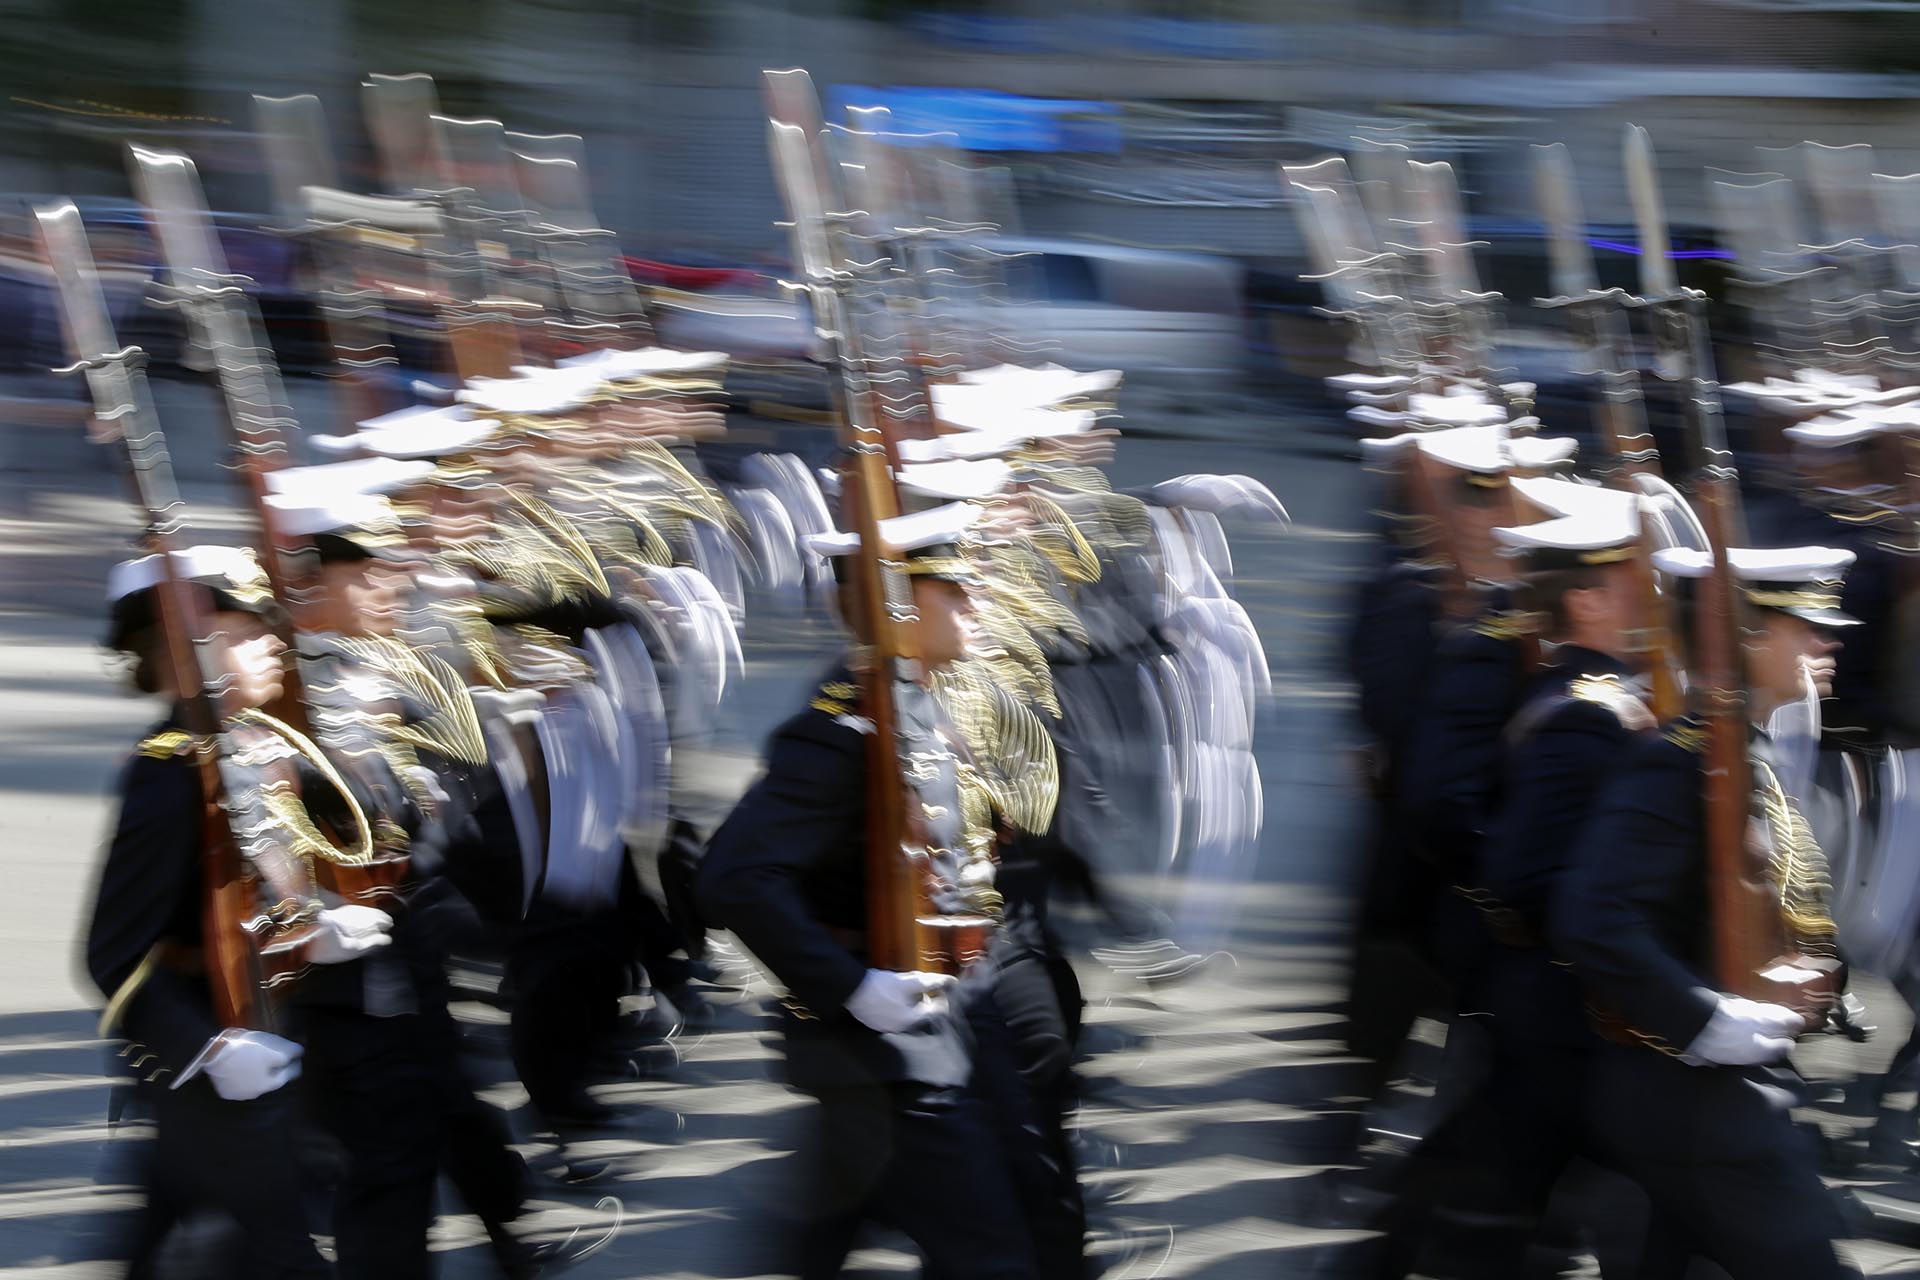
[[345, 527], [420, 432], [1484, 452], [1854, 426], [232, 574], [1604, 530], [534, 391], [929, 542], [992, 434], [327, 481], [1802, 581]]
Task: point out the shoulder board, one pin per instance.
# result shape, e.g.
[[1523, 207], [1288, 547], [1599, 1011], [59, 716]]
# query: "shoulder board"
[[1688, 735], [1505, 624], [1611, 692], [836, 697], [165, 744]]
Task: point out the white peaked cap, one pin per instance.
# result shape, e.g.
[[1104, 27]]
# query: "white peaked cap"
[[1563, 497], [308, 514], [1483, 449], [955, 478], [1759, 564], [534, 390], [1044, 384], [930, 528], [994, 412], [1004, 432], [1607, 518], [1816, 389], [1456, 409], [1850, 426], [652, 362], [231, 564], [360, 475], [419, 432], [1368, 381]]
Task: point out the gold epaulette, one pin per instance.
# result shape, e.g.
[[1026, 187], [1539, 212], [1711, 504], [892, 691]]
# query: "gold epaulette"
[[1687, 735], [165, 744], [1506, 624], [835, 697], [1611, 692]]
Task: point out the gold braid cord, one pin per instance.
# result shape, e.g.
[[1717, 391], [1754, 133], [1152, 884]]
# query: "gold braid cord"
[[1011, 772], [1798, 869], [289, 812], [570, 560], [452, 730]]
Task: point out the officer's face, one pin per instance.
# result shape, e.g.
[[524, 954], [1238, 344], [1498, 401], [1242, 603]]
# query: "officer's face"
[[945, 629], [1609, 610], [252, 655], [1787, 657], [1477, 505], [364, 597]]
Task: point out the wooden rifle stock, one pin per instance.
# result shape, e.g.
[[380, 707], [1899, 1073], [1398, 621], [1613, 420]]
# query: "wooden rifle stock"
[[1620, 423], [1749, 934], [904, 931], [1746, 921], [258, 417], [247, 950]]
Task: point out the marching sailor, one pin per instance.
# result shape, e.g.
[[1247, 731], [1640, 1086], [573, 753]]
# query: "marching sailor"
[[224, 1117], [887, 1056], [1692, 1098]]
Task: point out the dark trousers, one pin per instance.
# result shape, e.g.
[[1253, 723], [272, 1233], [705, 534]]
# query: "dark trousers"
[[1395, 976], [479, 1159], [930, 1162], [1023, 1044], [391, 1092], [236, 1158], [1731, 1179], [568, 970], [378, 1087]]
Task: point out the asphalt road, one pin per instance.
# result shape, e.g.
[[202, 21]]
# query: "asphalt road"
[[1211, 1105]]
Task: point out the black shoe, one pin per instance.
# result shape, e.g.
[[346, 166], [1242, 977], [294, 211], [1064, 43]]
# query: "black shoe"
[[524, 1259], [691, 1011], [581, 1110]]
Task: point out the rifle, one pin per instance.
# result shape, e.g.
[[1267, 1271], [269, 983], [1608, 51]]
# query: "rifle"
[[1749, 938], [1619, 411], [903, 930], [250, 951], [217, 303]]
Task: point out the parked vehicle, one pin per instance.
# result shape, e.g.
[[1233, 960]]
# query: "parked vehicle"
[[129, 262]]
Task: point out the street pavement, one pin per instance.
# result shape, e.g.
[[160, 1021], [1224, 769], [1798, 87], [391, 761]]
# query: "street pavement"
[[1212, 1107]]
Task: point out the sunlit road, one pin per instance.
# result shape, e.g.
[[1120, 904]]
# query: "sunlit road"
[[1208, 1117]]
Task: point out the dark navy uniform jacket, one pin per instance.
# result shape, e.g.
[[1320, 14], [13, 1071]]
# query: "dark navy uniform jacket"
[[1449, 782], [786, 872], [1631, 911], [1560, 748], [1567, 740], [1392, 646], [150, 891]]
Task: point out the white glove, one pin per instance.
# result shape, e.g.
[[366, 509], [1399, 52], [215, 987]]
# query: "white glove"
[[347, 933], [245, 1064], [890, 1001], [1742, 1032]]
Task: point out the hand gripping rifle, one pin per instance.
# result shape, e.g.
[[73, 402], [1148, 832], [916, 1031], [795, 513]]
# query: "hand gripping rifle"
[[219, 309], [904, 931], [251, 949], [1749, 937], [1619, 412]]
